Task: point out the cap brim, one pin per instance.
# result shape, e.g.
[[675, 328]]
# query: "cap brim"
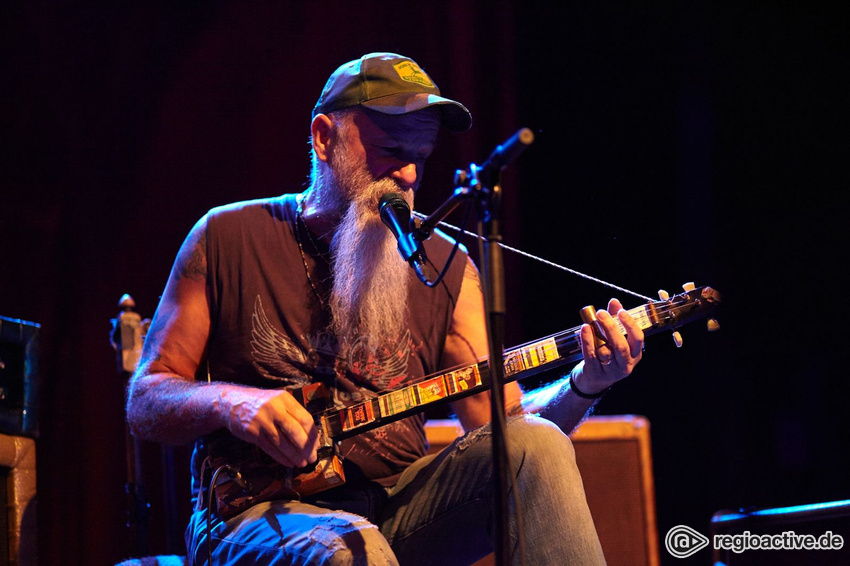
[[455, 115]]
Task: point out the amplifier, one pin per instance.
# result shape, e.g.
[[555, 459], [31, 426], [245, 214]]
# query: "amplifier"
[[614, 456], [19, 377]]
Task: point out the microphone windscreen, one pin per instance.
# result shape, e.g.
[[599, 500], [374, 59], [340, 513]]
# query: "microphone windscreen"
[[394, 200]]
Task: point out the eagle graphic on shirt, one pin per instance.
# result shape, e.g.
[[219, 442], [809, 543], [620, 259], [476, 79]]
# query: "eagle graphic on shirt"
[[277, 357]]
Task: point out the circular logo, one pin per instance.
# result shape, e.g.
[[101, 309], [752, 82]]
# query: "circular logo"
[[682, 541]]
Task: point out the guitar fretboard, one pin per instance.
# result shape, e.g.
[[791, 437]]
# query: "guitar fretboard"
[[522, 361]]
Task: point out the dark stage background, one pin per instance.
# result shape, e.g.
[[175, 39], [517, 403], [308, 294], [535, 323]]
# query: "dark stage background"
[[679, 141]]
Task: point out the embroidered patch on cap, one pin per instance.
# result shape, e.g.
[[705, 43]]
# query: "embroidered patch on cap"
[[410, 72]]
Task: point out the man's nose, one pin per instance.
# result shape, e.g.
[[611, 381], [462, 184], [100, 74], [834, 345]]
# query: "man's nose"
[[406, 174]]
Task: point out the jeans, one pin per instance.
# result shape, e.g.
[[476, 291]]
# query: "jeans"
[[440, 512]]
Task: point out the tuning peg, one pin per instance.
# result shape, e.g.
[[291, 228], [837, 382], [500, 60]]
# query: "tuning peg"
[[712, 325], [689, 286], [677, 339], [663, 295]]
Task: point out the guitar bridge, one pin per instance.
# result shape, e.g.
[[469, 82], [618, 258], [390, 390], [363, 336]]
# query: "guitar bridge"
[[326, 474], [263, 479]]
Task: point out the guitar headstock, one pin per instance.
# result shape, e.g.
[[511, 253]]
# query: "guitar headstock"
[[668, 312], [693, 304]]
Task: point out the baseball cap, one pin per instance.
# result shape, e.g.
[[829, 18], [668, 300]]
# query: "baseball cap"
[[391, 84]]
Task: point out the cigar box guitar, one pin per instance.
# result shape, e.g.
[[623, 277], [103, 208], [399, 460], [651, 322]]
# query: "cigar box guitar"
[[252, 476]]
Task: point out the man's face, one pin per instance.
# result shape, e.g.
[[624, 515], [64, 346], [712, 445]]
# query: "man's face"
[[374, 155], [378, 153]]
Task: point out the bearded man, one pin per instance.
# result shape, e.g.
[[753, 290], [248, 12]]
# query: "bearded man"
[[272, 295]]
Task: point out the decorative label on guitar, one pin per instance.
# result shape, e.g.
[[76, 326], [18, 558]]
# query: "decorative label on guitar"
[[463, 379], [397, 401], [410, 397], [357, 415], [531, 356], [428, 391]]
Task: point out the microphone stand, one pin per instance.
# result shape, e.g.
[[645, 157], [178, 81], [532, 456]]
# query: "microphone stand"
[[483, 185], [126, 339], [494, 302]]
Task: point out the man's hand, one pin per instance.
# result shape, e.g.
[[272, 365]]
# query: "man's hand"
[[274, 421], [604, 366]]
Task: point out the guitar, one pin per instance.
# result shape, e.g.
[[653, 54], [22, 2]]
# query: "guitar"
[[253, 477]]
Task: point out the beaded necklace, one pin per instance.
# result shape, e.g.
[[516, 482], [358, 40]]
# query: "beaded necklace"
[[299, 226]]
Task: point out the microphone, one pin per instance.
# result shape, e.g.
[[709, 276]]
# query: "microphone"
[[395, 213], [488, 174]]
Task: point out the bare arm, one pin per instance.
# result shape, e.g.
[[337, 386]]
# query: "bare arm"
[[467, 343], [166, 404]]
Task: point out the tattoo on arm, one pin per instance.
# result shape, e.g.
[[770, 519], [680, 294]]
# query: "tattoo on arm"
[[151, 345], [462, 338], [514, 409], [471, 273], [192, 262]]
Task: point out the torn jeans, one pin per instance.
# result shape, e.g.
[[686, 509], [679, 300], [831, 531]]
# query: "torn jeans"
[[440, 512]]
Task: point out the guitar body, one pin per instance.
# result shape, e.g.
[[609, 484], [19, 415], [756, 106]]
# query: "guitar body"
[[259, 477], [263, 479]]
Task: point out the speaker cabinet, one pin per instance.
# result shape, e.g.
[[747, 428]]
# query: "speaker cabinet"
[[807, 534], [17, 492], [614, 456], [19, 377]]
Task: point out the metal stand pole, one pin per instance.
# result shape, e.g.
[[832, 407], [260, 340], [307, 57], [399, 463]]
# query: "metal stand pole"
[[482, 185]]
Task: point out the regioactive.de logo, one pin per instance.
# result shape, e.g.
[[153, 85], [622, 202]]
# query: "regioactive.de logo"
[[682, 541]]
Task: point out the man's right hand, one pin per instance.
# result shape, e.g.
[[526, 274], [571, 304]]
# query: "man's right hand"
[[274, 421]]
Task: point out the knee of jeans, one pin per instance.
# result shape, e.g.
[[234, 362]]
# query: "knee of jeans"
[[535, 438], [375, 557], [360, 542]]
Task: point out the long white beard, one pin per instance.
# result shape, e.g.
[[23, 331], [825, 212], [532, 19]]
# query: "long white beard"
[[368, 299]]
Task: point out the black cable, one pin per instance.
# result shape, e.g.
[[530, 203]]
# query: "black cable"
[[451, 254], [210, 495], [235, 476]]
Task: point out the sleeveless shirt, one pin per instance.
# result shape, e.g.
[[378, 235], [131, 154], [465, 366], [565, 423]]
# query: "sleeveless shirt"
[[269, 330]]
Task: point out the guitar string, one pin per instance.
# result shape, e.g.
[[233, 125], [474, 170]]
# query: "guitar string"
[[568, 335], [541, 260], [528, 255]]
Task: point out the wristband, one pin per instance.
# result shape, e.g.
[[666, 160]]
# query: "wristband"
[[584, 395]]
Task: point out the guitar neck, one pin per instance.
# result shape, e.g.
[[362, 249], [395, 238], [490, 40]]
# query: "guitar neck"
[[520, 362]]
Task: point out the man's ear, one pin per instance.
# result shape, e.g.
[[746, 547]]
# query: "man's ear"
[[322, 130]]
